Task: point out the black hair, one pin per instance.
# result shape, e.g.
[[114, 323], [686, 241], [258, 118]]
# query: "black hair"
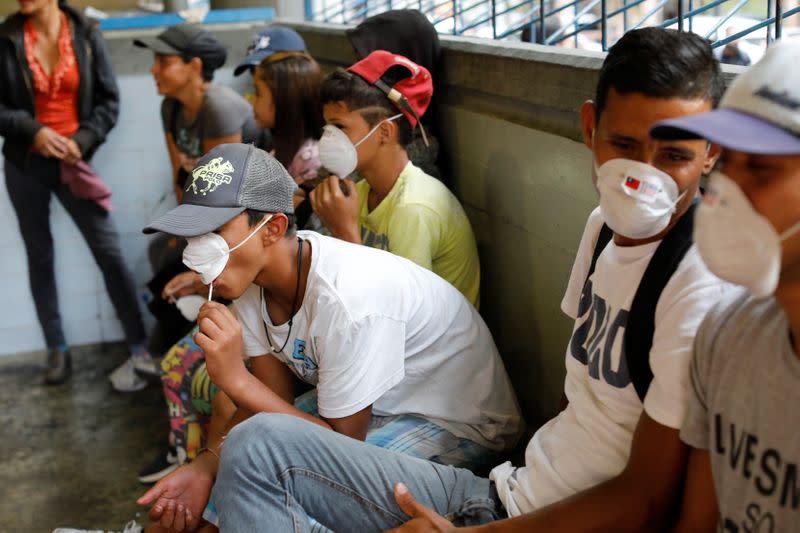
[[206, 69], [255, 217], [370, 102], [663, 64]]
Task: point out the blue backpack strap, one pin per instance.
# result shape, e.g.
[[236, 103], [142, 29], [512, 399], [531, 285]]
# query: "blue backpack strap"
[[641, 320]]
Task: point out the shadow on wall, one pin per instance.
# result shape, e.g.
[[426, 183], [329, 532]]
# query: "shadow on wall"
[[507, 282]]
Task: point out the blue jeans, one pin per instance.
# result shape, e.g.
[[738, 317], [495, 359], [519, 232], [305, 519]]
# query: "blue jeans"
[[277, 471]]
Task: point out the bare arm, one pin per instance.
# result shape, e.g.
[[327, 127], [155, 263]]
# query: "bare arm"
[[208, 144], [699, 511], [253, 395], [174, 159], [270, 388], [641, 498]]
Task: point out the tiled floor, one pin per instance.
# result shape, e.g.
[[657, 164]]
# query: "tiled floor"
[[69, 454]]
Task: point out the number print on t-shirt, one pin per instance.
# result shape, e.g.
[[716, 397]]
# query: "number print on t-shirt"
[[600, 329]]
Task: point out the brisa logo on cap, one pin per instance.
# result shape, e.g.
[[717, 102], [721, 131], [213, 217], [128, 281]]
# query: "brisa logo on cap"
[[214, 173]]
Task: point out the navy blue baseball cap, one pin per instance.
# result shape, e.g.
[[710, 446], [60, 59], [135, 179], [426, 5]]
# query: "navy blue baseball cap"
[[269, 41]]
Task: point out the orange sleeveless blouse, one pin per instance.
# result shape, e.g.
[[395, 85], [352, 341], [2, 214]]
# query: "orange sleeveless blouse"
[[55, 96]]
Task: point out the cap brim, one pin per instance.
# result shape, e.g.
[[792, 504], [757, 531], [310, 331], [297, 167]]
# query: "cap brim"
[[188, 220], [251, 61], [157, 45], [730, 129]]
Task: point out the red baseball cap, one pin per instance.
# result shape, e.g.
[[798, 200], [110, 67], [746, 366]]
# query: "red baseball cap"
[[411, 95]]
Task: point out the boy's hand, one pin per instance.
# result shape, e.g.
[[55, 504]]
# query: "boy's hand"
[[423, 519], [184, 284], [181, 497], [337, 211], [220, 337]]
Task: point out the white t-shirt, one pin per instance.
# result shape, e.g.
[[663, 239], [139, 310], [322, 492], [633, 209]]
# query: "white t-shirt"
[[377, 329], [589, 442]]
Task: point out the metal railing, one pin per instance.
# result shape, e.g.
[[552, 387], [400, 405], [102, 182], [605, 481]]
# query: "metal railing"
[[593, 24]]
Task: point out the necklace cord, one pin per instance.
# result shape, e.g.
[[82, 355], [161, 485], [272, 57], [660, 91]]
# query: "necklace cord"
[[294, 300]]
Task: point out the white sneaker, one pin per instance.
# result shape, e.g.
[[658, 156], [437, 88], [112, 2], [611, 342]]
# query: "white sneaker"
[[130, 527], [147, 365], [125, 379]]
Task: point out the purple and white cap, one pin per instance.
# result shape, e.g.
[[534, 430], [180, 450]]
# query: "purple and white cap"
[[759, 113]]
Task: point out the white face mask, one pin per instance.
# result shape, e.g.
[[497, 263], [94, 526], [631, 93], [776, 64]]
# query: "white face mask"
[[337, 153], [208, 254], [737, 243], [636, 200]]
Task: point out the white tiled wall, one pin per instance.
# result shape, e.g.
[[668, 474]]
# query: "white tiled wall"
[[134, 163]]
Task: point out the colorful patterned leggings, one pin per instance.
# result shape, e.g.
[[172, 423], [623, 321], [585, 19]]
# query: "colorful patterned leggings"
[[189, 393]]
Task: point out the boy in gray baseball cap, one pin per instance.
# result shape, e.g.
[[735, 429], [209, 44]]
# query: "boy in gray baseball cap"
[[386, 343], [746, 367]]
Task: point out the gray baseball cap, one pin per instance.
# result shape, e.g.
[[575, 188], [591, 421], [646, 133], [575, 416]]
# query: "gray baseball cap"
[[229, 179]]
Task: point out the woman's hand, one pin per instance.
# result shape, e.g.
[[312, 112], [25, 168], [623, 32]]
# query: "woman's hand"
[[73, 152], [48, 143]]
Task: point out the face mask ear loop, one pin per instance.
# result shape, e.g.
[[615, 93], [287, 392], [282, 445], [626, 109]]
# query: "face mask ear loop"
[[263, 223], [791, 231], [378, 125]]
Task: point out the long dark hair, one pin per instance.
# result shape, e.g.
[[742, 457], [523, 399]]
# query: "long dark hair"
[[294, 79]]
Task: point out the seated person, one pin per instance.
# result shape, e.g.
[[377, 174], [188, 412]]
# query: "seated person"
[[409, 33], [197, 114], [396, 207], [612, 460], [387, 344], [287, 84], [743, 473]]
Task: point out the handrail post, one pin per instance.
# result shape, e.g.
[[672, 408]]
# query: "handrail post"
[[604, 24], [494, 19], [625, 16], [680, 15], [542, 37], [778, 20], [769, 26]]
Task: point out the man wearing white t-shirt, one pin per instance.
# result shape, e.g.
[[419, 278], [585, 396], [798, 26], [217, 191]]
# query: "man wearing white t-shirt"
[[389, 346], [612, 460]]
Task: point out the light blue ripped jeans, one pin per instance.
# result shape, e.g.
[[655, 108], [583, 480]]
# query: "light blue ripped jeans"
[[277, 472]]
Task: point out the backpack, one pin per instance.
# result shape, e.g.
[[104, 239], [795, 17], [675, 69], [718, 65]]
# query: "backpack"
[[640, 328]]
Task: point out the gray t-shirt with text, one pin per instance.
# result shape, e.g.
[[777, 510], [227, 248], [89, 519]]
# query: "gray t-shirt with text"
[[745, 410], [225, 112]]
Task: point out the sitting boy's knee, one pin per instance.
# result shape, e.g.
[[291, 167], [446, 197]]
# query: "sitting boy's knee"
[[264, 430]]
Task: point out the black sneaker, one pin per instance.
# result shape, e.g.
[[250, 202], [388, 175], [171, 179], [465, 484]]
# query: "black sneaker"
[[163, 464]]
